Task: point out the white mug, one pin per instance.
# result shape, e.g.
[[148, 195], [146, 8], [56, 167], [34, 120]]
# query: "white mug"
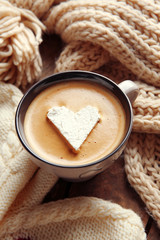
[[126, 92]]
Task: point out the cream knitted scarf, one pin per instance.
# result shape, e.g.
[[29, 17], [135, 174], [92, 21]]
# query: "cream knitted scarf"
[[23, 187], [122, 36]]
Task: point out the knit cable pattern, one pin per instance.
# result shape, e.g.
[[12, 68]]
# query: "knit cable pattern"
[[142, 157], [128, 30], [14, 172]]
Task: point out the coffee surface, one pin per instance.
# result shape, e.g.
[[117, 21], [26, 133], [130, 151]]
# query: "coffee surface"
[[75, 95]]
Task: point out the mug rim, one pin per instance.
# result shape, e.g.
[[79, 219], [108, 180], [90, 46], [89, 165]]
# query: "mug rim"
[[92, 75]]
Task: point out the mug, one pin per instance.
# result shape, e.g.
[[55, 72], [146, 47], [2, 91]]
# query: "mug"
[[126, 92]]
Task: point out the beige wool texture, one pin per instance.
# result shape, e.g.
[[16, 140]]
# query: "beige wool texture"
[[120, 38], [23, 188], [20, 36]]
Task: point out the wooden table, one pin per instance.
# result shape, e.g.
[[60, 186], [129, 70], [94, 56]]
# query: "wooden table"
[[111, 184]]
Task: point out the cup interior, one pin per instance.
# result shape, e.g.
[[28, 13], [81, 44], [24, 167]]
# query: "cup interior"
[[70, 76]]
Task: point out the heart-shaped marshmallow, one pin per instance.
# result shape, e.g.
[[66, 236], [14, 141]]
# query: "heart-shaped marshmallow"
[[75, 127]]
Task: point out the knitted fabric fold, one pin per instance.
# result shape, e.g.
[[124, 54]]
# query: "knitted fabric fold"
[[143, 170], [128, 30], [78, 218], [14, 173], [78, 55]]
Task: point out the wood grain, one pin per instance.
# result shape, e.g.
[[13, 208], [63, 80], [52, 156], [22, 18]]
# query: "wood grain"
[[50, 50], [154, 232]]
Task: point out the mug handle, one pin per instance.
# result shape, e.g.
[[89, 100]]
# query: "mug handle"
[[130, 89]]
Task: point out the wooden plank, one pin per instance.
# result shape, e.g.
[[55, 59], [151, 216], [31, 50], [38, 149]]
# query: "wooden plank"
[[59, 191], [50, 49], [154, 231]]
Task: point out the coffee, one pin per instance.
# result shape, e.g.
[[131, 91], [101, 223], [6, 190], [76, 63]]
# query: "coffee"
[[75, 95]]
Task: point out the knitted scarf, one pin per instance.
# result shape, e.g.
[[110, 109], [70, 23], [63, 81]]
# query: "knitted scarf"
[[120, 37]]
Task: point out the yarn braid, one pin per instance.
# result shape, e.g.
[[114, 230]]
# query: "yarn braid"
[[143, 170], [79, 51]]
